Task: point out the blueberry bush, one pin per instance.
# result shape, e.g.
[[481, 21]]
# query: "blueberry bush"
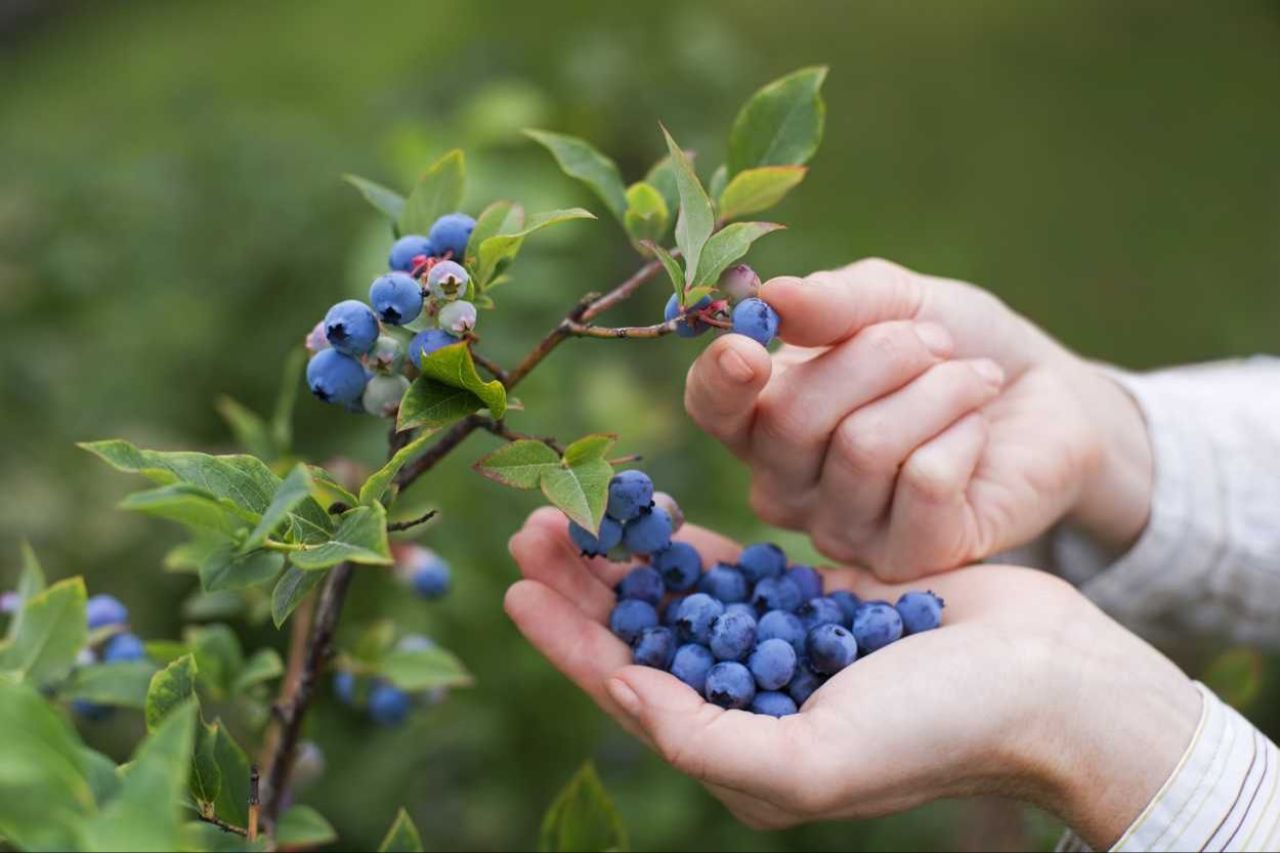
[[224, 764]]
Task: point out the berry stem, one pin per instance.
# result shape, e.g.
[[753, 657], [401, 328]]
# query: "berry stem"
[[500, 429], [396, 526], [222, 824]]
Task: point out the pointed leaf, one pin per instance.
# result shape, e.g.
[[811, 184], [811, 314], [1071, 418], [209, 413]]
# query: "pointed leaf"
[[264, 665], [329, 486], [286, 397], [430, 404], [390, 202], [672, 268], [500, 217], [647, 215], [579, 159], [662, 177], [295, 489], [51, 632], [375, 488], [361, 537], [247, 427], [754, 190], [519, 464], [170, 688], [222, 567], [30, 583], [727, 245], [781, 125], [190, 506], [122, 684], [582, 818], [696, 219], [590, 448], [402, 837], [218, 656], [234, 768], [206, 776], [503, 247], [437, 192], [581, 491], [716, 185], [293, 586], [303, 826], [454, 366], [423, 669]]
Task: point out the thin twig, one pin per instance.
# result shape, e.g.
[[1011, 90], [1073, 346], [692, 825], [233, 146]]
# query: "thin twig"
[[449, 439], [492, 367], [397, 526], [501, 430], [626, 460], [221, 824], [622, 291], [586, 330]]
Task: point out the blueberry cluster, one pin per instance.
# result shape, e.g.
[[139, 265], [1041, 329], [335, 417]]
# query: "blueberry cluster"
[[386, 704], [746, 312], [422, 570], [355, 363], [759, 634], [107, 615]]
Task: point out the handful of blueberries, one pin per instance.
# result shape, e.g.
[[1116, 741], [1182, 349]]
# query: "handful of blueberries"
[[758, 635]]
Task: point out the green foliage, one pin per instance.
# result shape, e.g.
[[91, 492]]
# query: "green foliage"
[[672, 268], [647, 215], [170, 688], [303, 826], [696, 220], [50, 631], [449, 388], [754, 190], [423, 669], [437, 192], [494, 252], [519, 464], [295, 489], [726, 246], [290, 590], [582, 818], [122, 684], [577, 482], [389, 202], [402, 837], [375, 487], [781, 125], [361, 537], [579, 159]]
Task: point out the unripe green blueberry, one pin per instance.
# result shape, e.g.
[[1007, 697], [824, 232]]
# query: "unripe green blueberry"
[[383, 394], [316, 340], [387, 355], [448, 281], [739, 282], [458, 318]]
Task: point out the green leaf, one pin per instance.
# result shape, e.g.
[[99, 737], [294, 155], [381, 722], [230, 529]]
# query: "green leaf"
[[647, 215], [147, 813], [233, 766], [781, 125], [696, 220], [438, 191], [589, 448], [672, 268], [423, 669], [582, 818], [580, 160], [402, 837], [662, 177], [727, 245], [121, 684], [293, 586], [454, 366], [264, 665], [754, 190], [375, 641], [30, 583], [101, 773], [247, 427], [51, 631], [207, 838], [286, 397], [295, 489], [303, 826], [222, 568], [503, 247], [388, 201], [326, 482], [375, 488], [170, 688], [581, 491], [218, 656], [361, 538], [430, 404], [519, 464], [715, 186], [500, 217], [190, 506], [206, 776]]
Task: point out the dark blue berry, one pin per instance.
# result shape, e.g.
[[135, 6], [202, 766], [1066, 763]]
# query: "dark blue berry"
[[680, 565], [733, 636], [630, 617], [763, 560], [830, 648], [773, 664], [730, 685], [724, 582], [773, 704], [691, 665], [642, 583], [876, 625], [655, 647], [920, 611], [697, 612]]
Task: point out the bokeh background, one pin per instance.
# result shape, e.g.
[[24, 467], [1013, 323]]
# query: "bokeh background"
[[172, 223]]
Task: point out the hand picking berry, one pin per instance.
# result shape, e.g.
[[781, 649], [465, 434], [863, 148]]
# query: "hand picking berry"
[[690, 327]]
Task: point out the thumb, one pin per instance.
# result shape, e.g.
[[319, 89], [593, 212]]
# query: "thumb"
[[826, 308]]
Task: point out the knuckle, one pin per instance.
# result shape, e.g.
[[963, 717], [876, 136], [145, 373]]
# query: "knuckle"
[[778, 420], [931, 477], [890, 344], [877, 268], [864, 443]]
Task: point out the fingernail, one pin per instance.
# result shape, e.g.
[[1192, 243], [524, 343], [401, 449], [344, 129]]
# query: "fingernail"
[[735, 366], [935, 337], [624, 696], [989, 370]]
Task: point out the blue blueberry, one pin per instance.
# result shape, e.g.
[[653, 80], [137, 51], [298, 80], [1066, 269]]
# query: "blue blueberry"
[[830, 648], [450, 233], [630, 493], [91, 711], [648, 532], [123, 647], [388, 704], [762, 560], [773, 704], [351, 327], [396, 297], [820, 611], [876, 625], [808, 580], [776, 594], [426, 342], [336, 378], [642, 583], [697, 612], [593, 545], [755, 318], [804, 683], [408, 247], [848, 605], [691, 665], [680, 565], [104, 610], [630, 617], [733, 636], [782, 625], [724, 582], [730, 685], [655, 647], [671, 613], [431, 578], [447, 281], [344, 685], [920, 611], [773, 664], [741, 607], [689, 328]]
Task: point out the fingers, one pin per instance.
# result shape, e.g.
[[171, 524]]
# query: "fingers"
[[544, 553], [722, 386], [828, 307]]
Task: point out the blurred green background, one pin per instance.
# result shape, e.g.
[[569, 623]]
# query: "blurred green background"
[[172, 223]]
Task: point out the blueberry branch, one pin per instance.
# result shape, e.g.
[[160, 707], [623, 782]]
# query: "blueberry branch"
[[397, 526], [500, 429], [222, 824]]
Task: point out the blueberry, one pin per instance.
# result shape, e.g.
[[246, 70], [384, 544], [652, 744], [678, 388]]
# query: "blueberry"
[[450, 233], [427, 572], [457, 318], [91, 711], [763, 560], [741, 607], [730, 685], [655, 647], [724, 582], [820, 611], [123, 647], [344, 685], [848, 605], [876, 625], [387, 355], [830, 648], [773, 663], [336, 378], [396, 297], [664, 501], [691, 665], [804, 683], [408, 247], [782, 625], [447, 281], [697, 612], [382, 395], [754, 318], [680, 565], [104, 610], [733, 636], [648, 532], [808, 580], [315, 339], [630, 617], [388, 704], [773, 704], [671, 613], [592, 545], [642, 583], [426, 342], [776, 594], [630, 493], [739, 282], [688, 328], [351, 327], [920, 611]]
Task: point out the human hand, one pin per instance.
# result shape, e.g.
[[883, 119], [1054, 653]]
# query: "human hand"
[[913, 424], [1026, 690]]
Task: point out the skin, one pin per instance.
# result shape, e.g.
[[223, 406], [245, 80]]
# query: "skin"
[[912, 424], [1027, 690]]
